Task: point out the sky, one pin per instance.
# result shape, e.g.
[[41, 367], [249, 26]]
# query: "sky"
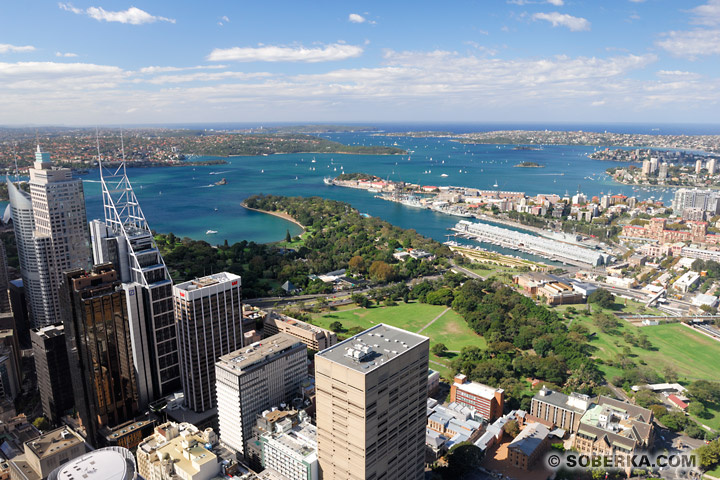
[[125, 62]]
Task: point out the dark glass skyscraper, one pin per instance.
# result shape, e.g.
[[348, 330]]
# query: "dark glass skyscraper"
[[99, 351]]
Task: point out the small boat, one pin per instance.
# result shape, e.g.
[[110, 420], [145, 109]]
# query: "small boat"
[[211, 232], [444, 175]]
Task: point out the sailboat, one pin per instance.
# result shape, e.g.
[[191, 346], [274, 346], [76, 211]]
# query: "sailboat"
[[496, 184]]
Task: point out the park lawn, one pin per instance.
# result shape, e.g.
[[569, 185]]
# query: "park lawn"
[[715, 473], [409, 316], [713, 417], [622, 305], [451, 330], [692, 355]]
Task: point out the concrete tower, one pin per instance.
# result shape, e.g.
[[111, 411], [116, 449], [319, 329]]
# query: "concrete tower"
[[51, 233]]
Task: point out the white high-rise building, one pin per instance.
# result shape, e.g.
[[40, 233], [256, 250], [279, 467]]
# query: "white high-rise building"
[[254, 379], [208, 312], [653, 164], [51, 234], [125, 240], [705, 200], [711, 166]]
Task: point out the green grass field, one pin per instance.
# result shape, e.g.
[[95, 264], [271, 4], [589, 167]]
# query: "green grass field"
[[450, 328], [692, 355]]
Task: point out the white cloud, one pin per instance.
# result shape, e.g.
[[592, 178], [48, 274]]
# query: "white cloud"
[[677, 73], [637, 1], [66, 54], [204, 77], [262, 53], [692, 44], [707, 14], [356, 18], [132, 15], [7, 48], [557, 3], [421, 85], [575, 24], [155, 69]]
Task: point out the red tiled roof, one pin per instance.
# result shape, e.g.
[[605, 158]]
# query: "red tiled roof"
[[679, 403]]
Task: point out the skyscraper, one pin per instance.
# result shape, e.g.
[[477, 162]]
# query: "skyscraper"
[[4, 281], [124, 239], [371, 393], [51, 364], [208, 312], [99, 353], [254, 379], [51, 234]]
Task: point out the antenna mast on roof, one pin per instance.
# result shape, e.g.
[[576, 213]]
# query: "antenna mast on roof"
[[17, 175], [97, 143]]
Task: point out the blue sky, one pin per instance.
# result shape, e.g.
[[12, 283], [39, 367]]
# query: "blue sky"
[[129, 62]]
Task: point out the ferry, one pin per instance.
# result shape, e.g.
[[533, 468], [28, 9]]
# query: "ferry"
[[328, 181], [211, 232]]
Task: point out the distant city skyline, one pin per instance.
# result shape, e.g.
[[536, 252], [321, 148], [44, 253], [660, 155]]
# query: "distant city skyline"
[[161, 62]]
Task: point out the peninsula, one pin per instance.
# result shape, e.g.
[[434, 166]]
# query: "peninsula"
[[76, 147]]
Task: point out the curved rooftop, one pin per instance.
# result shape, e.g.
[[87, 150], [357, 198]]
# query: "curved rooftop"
[[18, 199], [111, 463]]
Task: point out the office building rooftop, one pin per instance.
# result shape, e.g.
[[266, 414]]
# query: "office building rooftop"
[[373, 347], [53, 442], [208, 281], [257, 353]]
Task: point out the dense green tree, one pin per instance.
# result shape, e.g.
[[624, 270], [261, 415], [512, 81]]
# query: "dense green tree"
[[705, 391], [462, 459], [439, 349], [602, 297]]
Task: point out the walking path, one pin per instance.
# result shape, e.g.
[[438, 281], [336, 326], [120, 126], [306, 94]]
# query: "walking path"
[[433, 320]]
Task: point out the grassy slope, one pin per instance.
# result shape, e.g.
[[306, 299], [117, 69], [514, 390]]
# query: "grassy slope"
[[692, 355], [449, 329]]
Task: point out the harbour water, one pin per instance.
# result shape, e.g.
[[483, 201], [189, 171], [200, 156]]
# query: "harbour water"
[[185, 201]]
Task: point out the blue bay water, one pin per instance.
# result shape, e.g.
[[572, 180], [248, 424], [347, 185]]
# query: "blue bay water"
[[184, 200]]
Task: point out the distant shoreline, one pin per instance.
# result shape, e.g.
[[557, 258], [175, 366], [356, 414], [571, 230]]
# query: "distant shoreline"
[[282, 215]]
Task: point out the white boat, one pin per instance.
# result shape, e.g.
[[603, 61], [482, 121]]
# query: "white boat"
[[211, 232], [328, 181], [444, 175]]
